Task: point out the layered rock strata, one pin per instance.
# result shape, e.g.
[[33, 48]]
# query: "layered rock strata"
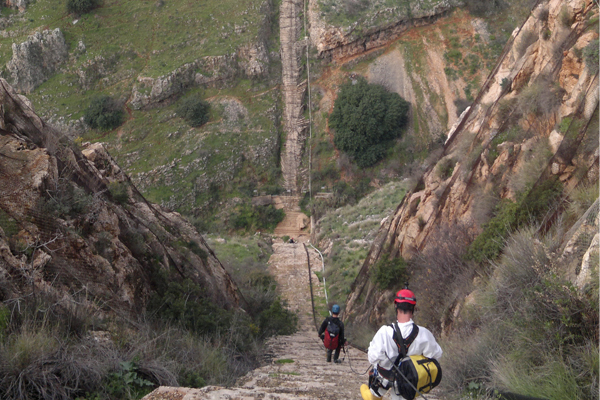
[[373, 30], [478, 167]]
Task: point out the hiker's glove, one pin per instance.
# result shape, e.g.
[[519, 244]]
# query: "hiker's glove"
[[322, 336]]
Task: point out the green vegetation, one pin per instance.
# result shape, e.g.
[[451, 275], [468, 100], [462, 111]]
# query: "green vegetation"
[[8, 224], [248, 218], [388, 272], [50, 348], [590, 55], [186, 305], [127, 382], [366, 118], [65, 199], [284, 361], [483, 8], [369, 13], [510, 216], [351, 241], [548, 328], [103, 113], [194, 111], [81, 6], [118, 190]]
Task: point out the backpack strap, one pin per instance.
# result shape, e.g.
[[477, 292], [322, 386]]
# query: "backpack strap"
[[404, 344]]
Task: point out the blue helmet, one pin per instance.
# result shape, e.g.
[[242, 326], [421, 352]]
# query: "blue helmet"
[[335, 309]]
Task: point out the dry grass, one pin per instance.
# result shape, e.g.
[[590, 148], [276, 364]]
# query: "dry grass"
[[528, 330]]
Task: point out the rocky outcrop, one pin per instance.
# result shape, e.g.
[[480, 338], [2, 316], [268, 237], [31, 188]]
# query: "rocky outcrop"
[[539, 83], [290, 25], [73, 227], [376, 28], [35, 60], [250, 60], [20, 5], [206, 71]]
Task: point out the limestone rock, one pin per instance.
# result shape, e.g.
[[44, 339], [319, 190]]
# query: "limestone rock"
[[206, 71], [99, 240], [338, 42], [21, 5], [36, 59], [506, 168]]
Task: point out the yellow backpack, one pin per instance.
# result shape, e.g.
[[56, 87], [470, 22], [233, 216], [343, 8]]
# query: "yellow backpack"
[[413, 375], [417, 374]]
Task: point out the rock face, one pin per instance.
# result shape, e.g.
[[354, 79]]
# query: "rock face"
[[373, 30], [537, 84], [251, 60], [21, 5], [151, 91], [73, 227], [35, 60]]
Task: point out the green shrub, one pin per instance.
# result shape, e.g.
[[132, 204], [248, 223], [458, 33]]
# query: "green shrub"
[[194, 111], [590, 55], [65, 199], [277, 320], [445, 168], [8, 224], [103, 113], [537, 203], [81, 6], [541, 98], [127, 383], [564, 16], [118, 191], [490, 241], [191, 379], [186, 304], [365, 119], [387, 273], [4, 321], [197, 250], [482, 8], [510, 216], [257, 217]]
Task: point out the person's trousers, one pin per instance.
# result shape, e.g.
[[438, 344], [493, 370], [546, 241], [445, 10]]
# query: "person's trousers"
[[336, 355]]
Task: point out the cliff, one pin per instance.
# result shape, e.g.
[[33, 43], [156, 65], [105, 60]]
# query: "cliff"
[[350, 28], [533, 122], [74, 227]]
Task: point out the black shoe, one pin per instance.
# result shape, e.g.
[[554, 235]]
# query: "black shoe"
[[337, 361]]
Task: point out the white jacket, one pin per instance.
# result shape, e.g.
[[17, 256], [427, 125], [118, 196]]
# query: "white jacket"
[[383, 346]]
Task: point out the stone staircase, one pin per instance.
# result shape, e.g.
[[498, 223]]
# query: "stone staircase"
[[295, 224], [295, 367]]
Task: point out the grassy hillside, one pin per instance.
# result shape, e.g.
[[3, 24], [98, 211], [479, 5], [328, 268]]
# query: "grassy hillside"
[[112, 46]]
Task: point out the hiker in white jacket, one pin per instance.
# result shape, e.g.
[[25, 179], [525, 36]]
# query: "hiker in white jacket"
[[383, 350]]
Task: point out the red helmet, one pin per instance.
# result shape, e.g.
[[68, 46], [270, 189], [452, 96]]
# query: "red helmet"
[[405, 296]]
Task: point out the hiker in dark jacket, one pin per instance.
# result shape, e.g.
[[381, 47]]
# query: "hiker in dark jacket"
[[332, 334]]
